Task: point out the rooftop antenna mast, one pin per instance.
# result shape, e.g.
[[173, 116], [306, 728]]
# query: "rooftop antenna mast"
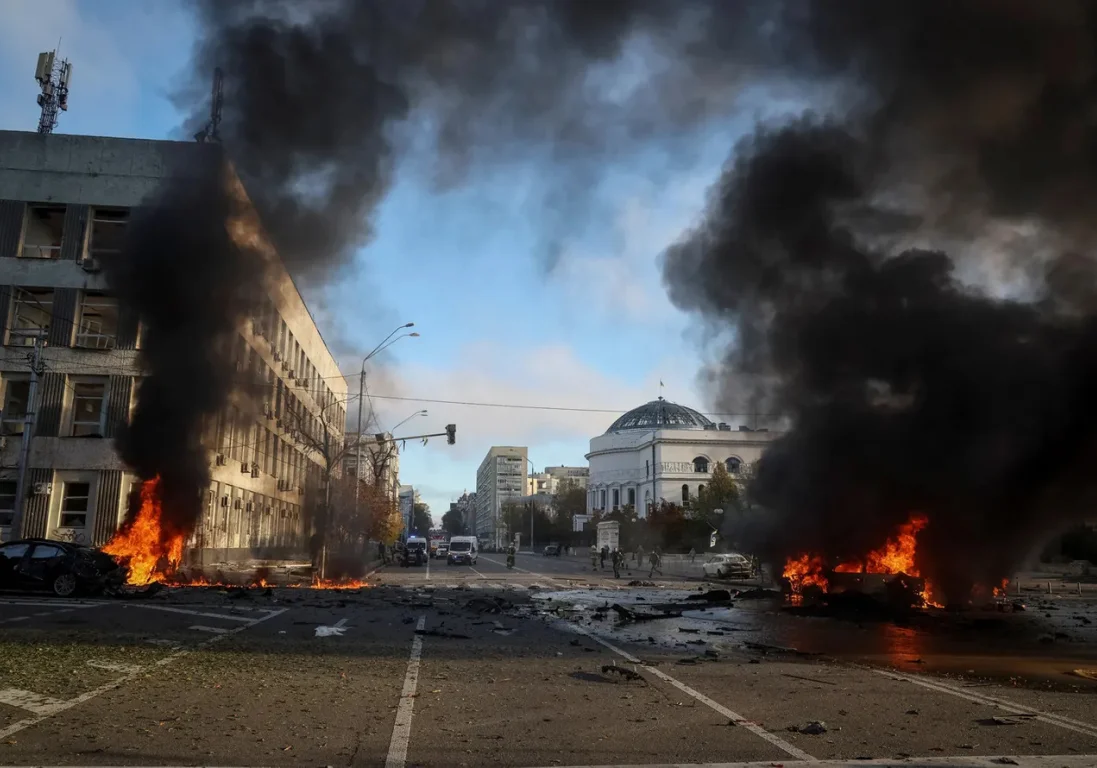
[[53, 77], [212, 131]]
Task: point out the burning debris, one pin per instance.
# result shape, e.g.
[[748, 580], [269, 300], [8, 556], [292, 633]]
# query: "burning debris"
[[896, 559], [150, 550]]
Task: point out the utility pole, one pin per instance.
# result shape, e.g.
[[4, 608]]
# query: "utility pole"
[[24, 446]]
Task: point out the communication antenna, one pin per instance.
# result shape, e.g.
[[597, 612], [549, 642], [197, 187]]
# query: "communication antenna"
[[53, 78], [212, 131]]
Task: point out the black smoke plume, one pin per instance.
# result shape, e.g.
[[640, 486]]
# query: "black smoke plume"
[[320, 99], [911, 267], [190, 285]]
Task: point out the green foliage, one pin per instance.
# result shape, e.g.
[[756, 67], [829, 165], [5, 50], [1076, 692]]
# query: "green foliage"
[[420, 518], [453, 523]]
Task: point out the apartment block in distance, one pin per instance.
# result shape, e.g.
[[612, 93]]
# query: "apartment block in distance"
[[501, 478], [65, 203]]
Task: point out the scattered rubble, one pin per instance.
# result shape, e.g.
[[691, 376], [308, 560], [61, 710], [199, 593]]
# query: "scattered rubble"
[[814, 728], [628, 674]]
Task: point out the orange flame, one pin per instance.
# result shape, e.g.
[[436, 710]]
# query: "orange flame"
[[805, 571], [146, 547], [894, 557]]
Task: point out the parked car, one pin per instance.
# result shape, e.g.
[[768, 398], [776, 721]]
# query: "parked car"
[[59, 566], [728, 566], [443, 549], [552, 550]]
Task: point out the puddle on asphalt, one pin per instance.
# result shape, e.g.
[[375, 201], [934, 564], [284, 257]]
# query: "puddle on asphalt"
[[1040, 647]]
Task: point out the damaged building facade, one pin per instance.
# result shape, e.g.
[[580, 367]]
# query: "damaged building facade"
[[64, 206]]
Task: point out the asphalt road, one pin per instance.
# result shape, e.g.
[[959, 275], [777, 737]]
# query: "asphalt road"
[[457, 666]]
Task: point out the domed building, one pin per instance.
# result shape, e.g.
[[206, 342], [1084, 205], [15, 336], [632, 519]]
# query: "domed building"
[[662, 450]]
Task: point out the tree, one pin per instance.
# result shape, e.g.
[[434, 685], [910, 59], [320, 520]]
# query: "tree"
[[453, 523], [569, 500], [421, 521]]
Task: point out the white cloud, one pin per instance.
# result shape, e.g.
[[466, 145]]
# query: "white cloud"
[[626, 280]]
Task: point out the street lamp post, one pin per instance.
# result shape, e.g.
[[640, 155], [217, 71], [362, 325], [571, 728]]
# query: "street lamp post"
[[361, 398], [532, 504]]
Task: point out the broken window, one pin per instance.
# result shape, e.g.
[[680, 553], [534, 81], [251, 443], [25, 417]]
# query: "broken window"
[[108, 232], [42, 237], [16, 395], [7, 502], [75, 503], [97, 327], [30, 316], [89, 407]]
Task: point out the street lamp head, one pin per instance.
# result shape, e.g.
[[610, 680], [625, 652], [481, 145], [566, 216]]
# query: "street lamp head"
[[413, 334], [409, 325]]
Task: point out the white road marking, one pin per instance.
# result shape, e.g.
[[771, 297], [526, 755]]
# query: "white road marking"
[[14, 619], [738, 719], [482, 576], [335, 630], [188, 612], [1013, 707], [426, 576], [52, 603], [117, 682], [214, 630], [989, 761], [401, 730], [531, 573], [114, 666], [35, 702]]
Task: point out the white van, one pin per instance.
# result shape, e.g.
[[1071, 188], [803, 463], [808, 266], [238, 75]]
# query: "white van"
[[462, 550]]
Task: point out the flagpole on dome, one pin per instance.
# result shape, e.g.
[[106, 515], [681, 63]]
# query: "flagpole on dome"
[[660, 389]]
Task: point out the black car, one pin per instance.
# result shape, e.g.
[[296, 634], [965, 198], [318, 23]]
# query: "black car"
[[63, 568]]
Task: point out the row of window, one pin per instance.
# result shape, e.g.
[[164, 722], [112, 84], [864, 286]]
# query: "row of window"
[[73, 507], [84, 405], [84, 409], [44, 225], [95, 325], [616, 496], [43, 237]]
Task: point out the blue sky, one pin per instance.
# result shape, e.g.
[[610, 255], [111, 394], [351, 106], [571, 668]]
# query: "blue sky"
[[465, 265]]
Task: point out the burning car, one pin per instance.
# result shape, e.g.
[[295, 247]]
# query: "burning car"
[[59, 566]]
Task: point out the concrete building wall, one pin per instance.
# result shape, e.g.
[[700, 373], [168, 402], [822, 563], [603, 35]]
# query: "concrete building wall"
[[64, 202], [501, 477]]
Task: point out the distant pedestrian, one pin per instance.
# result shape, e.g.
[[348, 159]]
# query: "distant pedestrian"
[[640, 555], [383, 554], [692, 554], [656, 560], [617, 558], [593, 557], [604, 555]]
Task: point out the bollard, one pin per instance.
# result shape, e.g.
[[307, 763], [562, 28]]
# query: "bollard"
[[1079, 588], [1049, 587]]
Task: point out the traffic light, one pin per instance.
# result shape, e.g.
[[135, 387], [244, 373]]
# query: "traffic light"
[[451, 433]]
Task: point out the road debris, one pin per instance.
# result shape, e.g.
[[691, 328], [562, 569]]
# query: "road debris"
[[814, 728], [628, 674]]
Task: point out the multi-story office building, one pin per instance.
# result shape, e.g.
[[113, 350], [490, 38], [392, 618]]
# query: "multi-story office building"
[[64, 205], [501, 477], [408, 498], [551, 480]]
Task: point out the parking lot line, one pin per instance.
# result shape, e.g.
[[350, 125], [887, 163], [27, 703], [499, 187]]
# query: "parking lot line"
[[128, 676], [188, 612], [204, 628], [33, 702], [735, 717]]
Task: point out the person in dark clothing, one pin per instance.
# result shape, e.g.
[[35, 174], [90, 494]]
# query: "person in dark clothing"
[[617, 558], [603, 555], [656, 560]]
